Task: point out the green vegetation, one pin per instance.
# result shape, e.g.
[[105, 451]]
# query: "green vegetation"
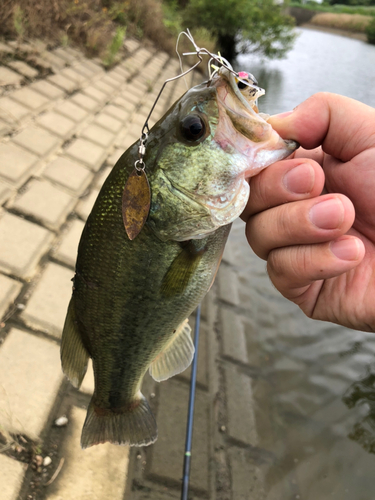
[[351, 2], [357, 16], [93, 25], [370, 31], [98, 26], [338, 8], [355, 23], [19, 22], [259, 26], [114, 46]]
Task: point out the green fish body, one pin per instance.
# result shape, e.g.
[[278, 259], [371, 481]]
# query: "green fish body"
[[131, 298]]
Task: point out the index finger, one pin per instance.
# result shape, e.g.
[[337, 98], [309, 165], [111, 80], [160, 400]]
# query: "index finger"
[[285, 181], [342, 126]]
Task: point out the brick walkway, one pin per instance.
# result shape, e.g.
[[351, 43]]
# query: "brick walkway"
[[60, 137]]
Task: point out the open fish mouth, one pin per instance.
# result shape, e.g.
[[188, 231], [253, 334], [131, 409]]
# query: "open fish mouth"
[[243, 121], [243, 128], [240, 104], [242, 99]]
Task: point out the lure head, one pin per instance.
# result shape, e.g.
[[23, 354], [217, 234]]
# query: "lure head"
[[201, 154]]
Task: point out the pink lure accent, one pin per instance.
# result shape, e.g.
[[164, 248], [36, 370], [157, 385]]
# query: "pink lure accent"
[[243, 75]]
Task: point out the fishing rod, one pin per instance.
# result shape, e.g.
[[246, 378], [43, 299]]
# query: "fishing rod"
[[189, 426]]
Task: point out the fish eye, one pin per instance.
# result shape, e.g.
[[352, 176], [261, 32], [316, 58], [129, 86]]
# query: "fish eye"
[[193, 127]]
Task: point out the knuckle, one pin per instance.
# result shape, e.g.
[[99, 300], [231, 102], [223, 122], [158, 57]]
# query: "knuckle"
[[304, 259], [276, 264], [286, 223], [259, 193], [254, 232], [291, 264]]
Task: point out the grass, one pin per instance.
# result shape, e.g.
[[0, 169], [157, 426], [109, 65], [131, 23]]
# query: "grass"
[[337, 8], [19, 22], [350, 22], [350, 18], [114, 47]]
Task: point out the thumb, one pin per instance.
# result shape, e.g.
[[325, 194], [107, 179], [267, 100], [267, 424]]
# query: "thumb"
[[342, 126]]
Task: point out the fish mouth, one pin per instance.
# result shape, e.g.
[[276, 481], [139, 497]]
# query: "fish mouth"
[[241, 106], [240, 102], [243, 121], [243, 129]]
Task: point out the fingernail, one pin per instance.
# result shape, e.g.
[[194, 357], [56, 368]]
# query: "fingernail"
[[300, 179], [282, 115], [327, 214], [345, 248]]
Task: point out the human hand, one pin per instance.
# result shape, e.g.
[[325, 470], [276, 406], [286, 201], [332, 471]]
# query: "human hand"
[[320, 248]]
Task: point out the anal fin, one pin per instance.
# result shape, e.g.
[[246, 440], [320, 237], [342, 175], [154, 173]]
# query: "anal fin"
[[176, 357], [74, 356]]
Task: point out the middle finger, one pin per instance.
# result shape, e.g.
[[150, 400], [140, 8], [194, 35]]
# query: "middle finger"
[[302, 222]]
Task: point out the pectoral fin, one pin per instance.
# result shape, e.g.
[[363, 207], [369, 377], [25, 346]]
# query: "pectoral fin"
[[74, 356], [182, 268], [176, 357]]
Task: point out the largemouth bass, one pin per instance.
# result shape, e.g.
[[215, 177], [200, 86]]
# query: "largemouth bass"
[[131, 298]]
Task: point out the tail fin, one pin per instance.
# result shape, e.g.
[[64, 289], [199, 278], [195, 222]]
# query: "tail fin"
[[135, 426]]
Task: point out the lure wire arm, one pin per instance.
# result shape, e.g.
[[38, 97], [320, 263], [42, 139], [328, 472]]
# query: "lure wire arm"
[[145, 126], [199, 52]]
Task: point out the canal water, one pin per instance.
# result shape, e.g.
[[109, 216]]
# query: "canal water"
[[318, 62], [315, 385]]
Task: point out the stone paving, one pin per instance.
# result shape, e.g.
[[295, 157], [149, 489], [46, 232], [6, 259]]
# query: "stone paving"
[[61, 135]]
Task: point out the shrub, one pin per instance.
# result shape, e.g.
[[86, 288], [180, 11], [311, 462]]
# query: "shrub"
[[370, 31]]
